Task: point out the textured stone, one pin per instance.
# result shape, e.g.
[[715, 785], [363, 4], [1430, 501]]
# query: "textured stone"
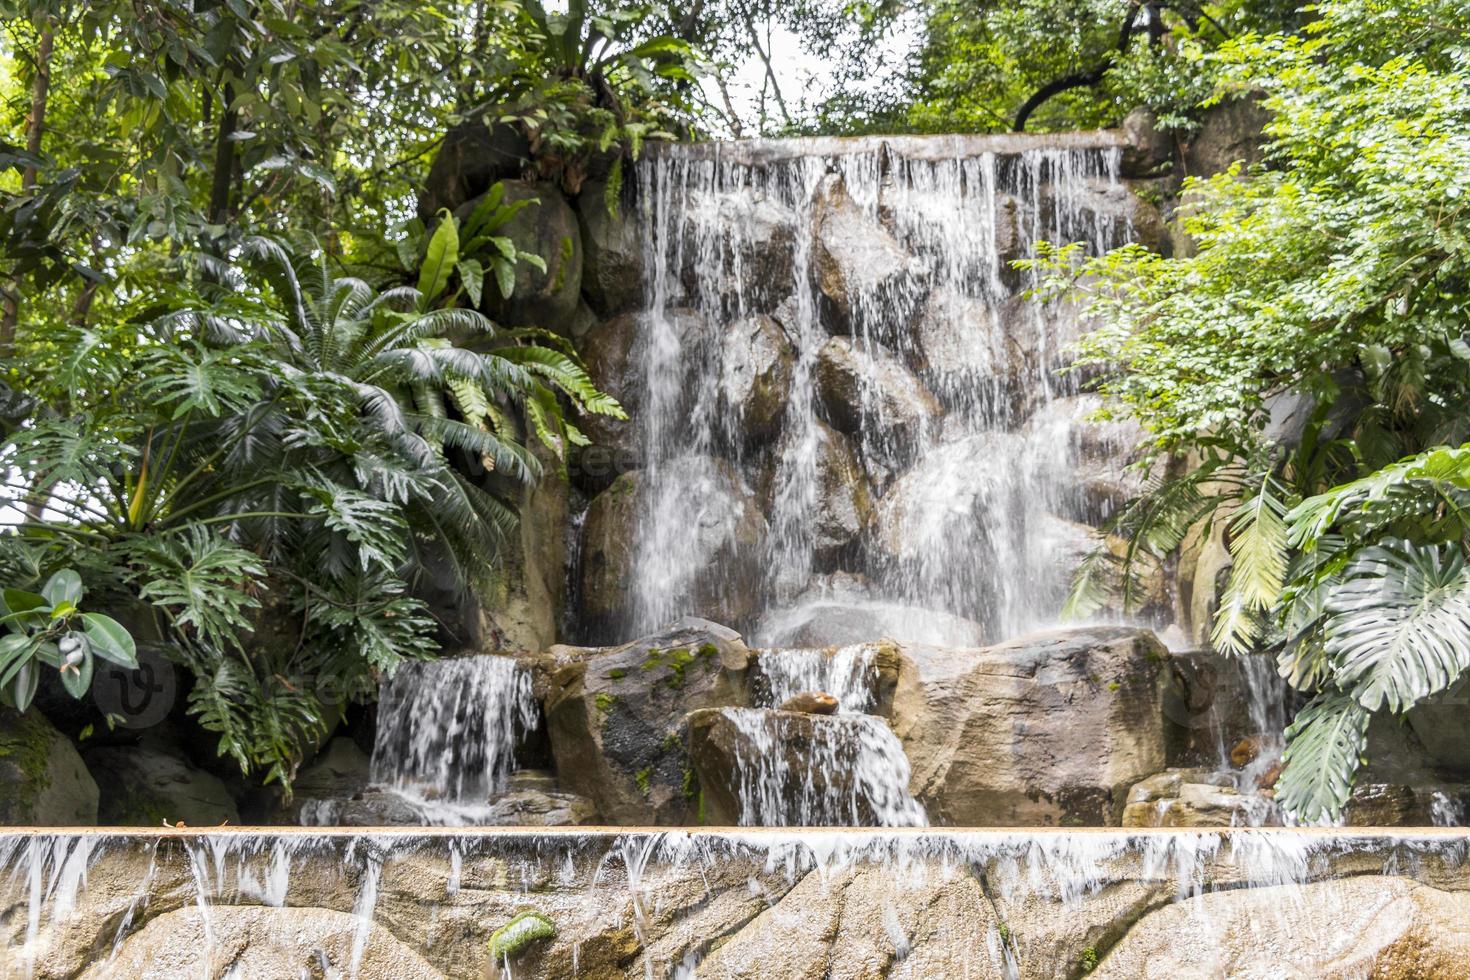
[[612, 270], [756, 362], [151, 783], [1052, 728], [549, 229], [867, 385], [42, 779], [615, 718]]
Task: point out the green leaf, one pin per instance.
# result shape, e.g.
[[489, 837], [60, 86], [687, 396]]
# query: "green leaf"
[[505, 276], [63, 586], [439, 259], [1259, 559], [23, 690], [110, 640], [1398, 623], [26, 608], [78, 680], [472, 274], [1324, 747]]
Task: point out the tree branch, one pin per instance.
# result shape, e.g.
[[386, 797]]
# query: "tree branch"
[[1081, 79]]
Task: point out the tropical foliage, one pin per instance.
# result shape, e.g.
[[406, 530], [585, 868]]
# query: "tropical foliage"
[[1310, 361]]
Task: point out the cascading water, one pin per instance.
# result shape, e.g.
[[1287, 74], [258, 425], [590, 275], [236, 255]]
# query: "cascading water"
[[446, 737], [845, 411], [843, 769]]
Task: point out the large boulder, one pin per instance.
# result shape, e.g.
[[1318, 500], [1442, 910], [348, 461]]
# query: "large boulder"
[[1149, 149], [612, 269], [615, 719], [473, 156], [756, 363], [1230, 132], [720, 531], [1049, 729], [738, 250], [548, 228], [866, 386], [153, 782], [860, 267], [974, 352], [43, 782]]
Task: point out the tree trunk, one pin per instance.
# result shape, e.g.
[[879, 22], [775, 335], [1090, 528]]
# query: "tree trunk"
[[35, 129], [224, 159]]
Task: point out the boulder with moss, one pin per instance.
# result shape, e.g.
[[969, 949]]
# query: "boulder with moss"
[[43, 781]]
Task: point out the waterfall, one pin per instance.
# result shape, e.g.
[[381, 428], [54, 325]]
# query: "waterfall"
[[847, 424], [446, 737]]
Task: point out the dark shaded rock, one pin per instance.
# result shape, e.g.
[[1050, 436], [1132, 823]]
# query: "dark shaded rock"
[[151, 783], [1149, 149], [472, 157], [612, 270], [756, 362], [549, 229], [43, 782], [615, 718], [1049, 729]]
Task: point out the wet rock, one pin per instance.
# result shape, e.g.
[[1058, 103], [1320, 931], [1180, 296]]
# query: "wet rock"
[[867, 386], [810, 703], [841, 609], [151, 783], [770, 767], [970, 349], [615, 352], [43, 781], [739, 247], [257, 941], [844, 510], [723, 544], [756, 363], [1359, 926], [1052, 728], [548, 229], [859, 264], [615, 719], [1190, 798], [339, 772], [612, 270]]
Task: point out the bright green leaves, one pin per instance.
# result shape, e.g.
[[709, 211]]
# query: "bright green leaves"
[[439, 259], [1259, 559], [202, 581], [48, 629], [1325, 745]]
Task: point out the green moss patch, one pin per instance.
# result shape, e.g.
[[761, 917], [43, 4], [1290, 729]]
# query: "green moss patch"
[[511, 939]]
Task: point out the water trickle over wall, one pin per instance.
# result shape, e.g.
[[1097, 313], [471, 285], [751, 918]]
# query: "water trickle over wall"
[[850, 421]]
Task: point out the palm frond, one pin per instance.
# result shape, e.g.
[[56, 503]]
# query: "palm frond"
[[1259, 560]]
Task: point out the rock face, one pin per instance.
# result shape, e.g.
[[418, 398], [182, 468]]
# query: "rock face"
[[845, 508], [857, 260], [42, 779], [1184, 798], [258, 941], [549, 229], [612, 271], [1050, 729], [755, 374], [858, 384], [151, 783], [616, 719], [720, 578], [472, 157]]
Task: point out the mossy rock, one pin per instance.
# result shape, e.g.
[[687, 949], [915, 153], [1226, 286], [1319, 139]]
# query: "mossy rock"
[[43, 781], [511, 939]]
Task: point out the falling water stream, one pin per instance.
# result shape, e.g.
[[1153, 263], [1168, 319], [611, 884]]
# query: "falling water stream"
[[887, 263]]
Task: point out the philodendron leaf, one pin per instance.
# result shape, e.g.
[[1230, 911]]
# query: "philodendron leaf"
[[64, 586], [110, 640]]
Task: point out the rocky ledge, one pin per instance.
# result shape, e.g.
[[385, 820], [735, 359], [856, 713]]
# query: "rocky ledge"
[[788, 904]]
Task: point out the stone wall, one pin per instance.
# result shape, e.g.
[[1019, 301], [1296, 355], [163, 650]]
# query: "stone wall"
[[787, 904]]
